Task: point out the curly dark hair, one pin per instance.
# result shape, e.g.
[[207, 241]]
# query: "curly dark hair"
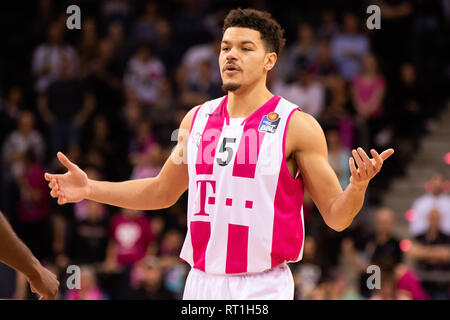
[[262, 21]]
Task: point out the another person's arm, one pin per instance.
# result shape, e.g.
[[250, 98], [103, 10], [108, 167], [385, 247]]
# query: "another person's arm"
[[337, 207], [15, 254], [154, 193]]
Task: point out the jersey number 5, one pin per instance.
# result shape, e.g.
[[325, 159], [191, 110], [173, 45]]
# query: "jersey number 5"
[[228, 150]]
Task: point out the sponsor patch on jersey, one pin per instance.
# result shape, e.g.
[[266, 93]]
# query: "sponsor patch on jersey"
[[269, 123]]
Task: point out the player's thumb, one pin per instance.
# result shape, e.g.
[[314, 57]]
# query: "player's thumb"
[[65, 161]]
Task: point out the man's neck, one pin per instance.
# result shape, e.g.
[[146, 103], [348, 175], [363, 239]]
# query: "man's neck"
[[242, 103]]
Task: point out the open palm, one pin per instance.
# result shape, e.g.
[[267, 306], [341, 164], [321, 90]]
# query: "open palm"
[[71, 186]]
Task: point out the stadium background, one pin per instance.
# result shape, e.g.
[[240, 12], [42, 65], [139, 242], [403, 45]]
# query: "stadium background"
[[111, 94]]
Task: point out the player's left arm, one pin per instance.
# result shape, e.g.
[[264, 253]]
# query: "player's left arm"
[[338, 207]]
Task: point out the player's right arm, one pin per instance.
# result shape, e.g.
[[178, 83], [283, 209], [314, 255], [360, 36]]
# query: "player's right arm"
[[154, 193]]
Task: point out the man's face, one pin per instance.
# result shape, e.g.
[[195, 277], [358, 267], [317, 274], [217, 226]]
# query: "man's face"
[[243, 58]]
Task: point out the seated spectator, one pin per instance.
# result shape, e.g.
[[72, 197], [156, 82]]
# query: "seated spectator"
[[368, 89], [87, 45], [203, 88], [146, 28], [368, 92], [189, 71], [145, 74], [305, 92], [89, 289], [349, 48], [300, 54], [328, 26], [10, 111], [175, 270], [131, 240], [151, 286], [47, 58], [145, 152], [338, 157], [381, 244], [24, 138], [65, 108], [33, 206], [437, 199], [323, 66], [431, 250], [308, 272]]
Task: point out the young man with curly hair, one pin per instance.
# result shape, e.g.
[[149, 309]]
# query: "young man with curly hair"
[[246, 159]]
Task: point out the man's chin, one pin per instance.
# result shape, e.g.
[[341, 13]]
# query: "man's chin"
[[226, 87]]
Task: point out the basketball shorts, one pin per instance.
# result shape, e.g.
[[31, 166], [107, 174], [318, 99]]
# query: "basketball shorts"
[[274, 284]]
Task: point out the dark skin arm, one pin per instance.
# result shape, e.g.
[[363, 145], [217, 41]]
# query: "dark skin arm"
[[15, 254]]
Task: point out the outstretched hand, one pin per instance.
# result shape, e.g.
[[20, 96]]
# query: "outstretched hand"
[[71, 186], [367, 168]]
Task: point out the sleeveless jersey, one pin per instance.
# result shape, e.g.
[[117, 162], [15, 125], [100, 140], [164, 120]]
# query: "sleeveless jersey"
[[245, 210]]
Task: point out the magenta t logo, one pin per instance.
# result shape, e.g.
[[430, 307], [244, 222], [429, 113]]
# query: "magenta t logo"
[[211, 200]]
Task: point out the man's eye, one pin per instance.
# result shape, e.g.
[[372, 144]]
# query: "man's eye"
[[225, 49], [246, 49]]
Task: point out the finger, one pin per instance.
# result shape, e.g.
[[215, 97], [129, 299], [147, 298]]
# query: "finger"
[[387, 153], [48, 176], [377, 158], [367, 162], [359, 162], [65, 161], [54, 193], [61, 199], [353, 171]]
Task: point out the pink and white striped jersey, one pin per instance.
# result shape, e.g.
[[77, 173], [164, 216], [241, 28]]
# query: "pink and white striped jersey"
[[244, 208]]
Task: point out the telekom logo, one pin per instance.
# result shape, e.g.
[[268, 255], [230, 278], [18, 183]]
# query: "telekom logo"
[[203, 191]]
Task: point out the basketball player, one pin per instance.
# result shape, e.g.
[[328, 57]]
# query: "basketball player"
[[246, 160], [16, 255]]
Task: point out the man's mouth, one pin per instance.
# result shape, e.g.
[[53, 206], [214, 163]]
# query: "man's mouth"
[[231, 69]]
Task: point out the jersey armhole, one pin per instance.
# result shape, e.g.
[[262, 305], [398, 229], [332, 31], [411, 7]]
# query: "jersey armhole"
[[193, 119], [284, 145]]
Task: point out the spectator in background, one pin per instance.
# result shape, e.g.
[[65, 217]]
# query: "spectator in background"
[[308, 273], [151, 286], [48, 57], [10, 111], [328, 26], [323, 66], [88, 236], [368, 92], [436, 199], [338, 157], [89, 289], [379, 245], [131, 239], [146, 28], [349, 47], [409, 101], [431, 250], [189, 70], [203, 88], [300, 54], [87, 45], [145, 152], [305, 92], [66, 107], [24, 138], [33, 220], [175, 270], [145, 74]]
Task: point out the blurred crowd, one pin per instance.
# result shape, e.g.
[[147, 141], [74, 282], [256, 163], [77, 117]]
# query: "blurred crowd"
[[111, 94]]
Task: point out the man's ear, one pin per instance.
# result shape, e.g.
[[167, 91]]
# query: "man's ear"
[[270, 60]]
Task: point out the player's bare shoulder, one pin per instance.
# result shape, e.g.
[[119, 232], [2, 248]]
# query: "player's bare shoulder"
[[304, 133]]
